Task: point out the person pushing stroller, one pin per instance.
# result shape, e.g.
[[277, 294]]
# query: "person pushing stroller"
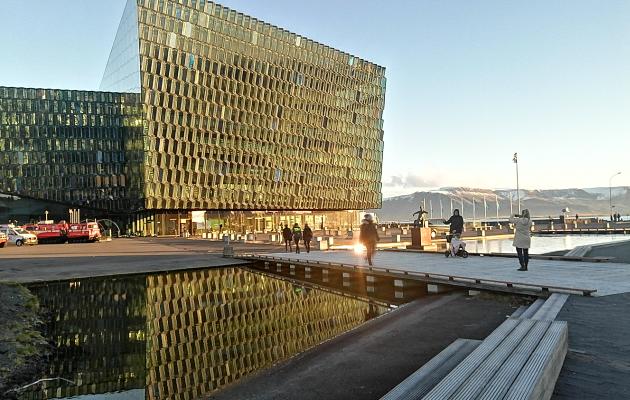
[[456, 222]]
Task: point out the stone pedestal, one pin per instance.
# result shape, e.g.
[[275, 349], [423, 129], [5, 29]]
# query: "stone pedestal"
[[420, 238]]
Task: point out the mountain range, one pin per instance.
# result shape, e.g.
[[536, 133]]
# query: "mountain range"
[[541, 203]]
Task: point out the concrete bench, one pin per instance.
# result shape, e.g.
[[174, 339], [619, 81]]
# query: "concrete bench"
[[418, 384], [542, 310], [521, 359]]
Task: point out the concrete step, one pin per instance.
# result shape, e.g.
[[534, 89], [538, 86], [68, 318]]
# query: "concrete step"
[[519, 311], [531, 310], [538, 377], [499, 360], [418, 384], [549, 311], [451, 383], [522, 361], [501, 382]]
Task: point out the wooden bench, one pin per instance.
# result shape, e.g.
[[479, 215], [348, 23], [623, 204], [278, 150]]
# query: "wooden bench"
[[521, 359]]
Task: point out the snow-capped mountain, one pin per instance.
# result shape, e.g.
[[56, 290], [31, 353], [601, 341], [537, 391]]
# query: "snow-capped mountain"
[[590, 201]]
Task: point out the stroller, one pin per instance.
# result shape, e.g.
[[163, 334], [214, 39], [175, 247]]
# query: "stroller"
[[457, 246]]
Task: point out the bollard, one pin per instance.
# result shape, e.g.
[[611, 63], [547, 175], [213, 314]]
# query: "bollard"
[[228, 250]]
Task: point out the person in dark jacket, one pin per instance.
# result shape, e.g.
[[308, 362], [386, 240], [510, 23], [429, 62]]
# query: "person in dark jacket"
[[297, 236], [307, 234], [456, 222], [287, 235], [369, 237]]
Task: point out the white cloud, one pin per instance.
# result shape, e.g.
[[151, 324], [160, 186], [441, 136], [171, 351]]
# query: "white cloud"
[[410, 181]]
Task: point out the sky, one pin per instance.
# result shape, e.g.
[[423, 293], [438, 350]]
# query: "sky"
[[468, 82]]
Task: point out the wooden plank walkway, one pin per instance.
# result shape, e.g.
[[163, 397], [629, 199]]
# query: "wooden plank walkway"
[[604, 278]]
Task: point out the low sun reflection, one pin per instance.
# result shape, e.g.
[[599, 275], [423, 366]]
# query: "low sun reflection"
[[359, 248]]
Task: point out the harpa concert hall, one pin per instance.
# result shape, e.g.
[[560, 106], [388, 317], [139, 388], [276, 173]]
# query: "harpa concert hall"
[[205, 117]]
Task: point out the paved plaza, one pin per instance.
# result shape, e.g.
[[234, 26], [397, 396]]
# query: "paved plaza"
[[118, 257], [606, 278]]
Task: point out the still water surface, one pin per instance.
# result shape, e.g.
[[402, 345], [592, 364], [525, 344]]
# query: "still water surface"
[[542, 244], [181, 335]]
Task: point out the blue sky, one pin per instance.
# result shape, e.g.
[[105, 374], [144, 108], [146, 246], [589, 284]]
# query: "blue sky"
[[469, 82]]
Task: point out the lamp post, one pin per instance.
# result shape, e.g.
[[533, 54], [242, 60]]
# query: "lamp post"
[[610, 191], [518, 191]]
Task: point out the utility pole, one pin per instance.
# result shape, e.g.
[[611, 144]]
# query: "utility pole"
[[610, 191]]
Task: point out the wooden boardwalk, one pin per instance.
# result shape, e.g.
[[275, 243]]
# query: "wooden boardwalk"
[[605, 278]]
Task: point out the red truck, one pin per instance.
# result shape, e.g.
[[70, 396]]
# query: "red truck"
[[47, 232], [84, 232]]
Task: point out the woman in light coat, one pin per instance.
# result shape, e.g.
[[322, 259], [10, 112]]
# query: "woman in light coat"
[[522, 237]]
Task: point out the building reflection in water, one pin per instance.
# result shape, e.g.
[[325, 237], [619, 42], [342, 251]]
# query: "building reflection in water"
[[182, 335], [97, 330]]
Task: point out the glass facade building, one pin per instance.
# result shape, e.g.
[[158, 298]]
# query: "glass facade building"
[[218, 111]]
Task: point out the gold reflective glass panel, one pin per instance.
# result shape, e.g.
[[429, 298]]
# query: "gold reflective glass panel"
[[240, 114], [182, 335]]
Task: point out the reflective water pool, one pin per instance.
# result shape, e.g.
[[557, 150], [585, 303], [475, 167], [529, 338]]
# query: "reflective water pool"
[[542, 244], [181, 335]]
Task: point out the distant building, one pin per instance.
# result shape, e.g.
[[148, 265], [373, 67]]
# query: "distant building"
[[203, 108]]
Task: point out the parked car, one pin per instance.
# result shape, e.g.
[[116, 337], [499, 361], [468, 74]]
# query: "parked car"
[[18, 236], [3, 239]]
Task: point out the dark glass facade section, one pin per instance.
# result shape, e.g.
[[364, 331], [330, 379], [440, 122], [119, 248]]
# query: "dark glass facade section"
[[79, 148]]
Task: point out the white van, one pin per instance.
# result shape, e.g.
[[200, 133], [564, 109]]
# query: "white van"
[[17, 235]]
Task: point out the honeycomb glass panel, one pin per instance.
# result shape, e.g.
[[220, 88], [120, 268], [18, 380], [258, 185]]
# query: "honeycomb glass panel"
[[276, 107]]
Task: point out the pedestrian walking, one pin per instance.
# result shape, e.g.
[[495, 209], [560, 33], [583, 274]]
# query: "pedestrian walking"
[[522, 237], [287, 235], [297, 236], [307, 234], [369, 237]]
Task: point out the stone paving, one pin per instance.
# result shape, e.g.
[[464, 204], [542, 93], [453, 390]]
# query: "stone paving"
[[606, 278]]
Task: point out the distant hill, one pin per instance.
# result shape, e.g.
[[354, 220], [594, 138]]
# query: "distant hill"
[[590, 201]]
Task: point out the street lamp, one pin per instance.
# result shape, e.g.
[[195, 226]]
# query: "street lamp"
[[610, 191], [518, 191]]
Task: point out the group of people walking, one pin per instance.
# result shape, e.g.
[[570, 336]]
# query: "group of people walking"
[[369, 235], [295, 235]]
